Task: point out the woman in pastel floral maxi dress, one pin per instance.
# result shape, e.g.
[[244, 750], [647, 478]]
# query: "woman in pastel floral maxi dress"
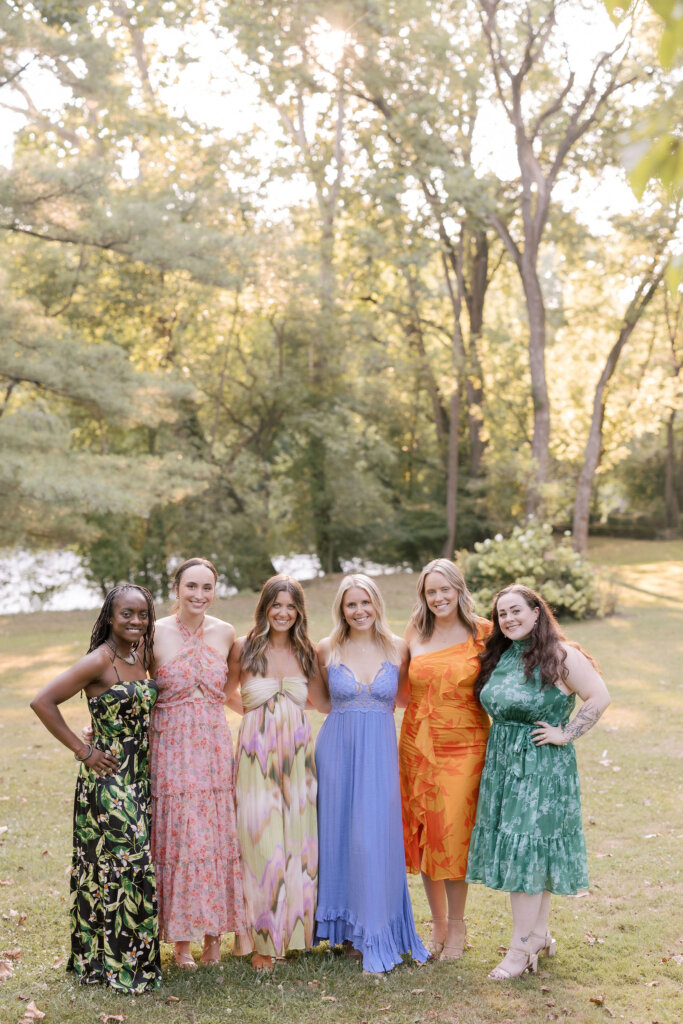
[[275, 782], [194, 834]]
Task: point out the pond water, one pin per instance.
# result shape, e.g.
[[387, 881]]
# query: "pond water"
[[55, 581]]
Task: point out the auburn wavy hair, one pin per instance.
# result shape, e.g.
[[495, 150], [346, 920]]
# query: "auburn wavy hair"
[[254, 657], [544, 651], [381, 634], [422, 617], [102, 627]]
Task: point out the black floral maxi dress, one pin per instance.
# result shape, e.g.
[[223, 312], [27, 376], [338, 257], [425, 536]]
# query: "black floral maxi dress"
[[114, 925]]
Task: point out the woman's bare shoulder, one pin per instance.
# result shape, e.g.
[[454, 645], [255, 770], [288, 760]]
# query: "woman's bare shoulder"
[[220, 626]]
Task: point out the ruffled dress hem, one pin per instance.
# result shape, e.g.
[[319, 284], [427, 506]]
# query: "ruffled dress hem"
[[496, 856], [383, 950]]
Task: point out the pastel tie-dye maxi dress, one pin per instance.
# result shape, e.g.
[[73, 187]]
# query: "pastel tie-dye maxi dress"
[[275, 792]]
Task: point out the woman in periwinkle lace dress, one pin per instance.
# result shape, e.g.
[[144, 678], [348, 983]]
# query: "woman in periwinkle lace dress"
[[363, 898]]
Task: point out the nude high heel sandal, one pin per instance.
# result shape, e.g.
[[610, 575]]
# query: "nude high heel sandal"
[[549, 945], [515, 963], [434, 945], [454, 946]]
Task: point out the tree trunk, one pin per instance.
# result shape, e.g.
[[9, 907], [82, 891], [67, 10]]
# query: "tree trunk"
[[591, 461], [673, 511], [452, 473], [540, 442]]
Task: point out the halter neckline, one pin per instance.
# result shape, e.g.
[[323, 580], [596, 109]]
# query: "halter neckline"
[[185, 629]]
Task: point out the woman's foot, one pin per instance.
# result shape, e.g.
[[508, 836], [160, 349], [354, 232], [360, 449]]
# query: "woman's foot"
[[515, 963], [543, 944], [211, 954], [351, 952], [183, 957], [454, 946], [437, 936], [262, 963]]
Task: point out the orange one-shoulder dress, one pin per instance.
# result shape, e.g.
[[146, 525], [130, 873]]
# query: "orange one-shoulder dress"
[[441, 757]]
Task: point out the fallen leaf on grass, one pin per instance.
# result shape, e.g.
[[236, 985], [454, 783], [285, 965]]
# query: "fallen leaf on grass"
[[45, 853], [57, 962], [6, 881], [3, 828], [172, 999], [416, 991], [6, 970], [106, 1017], [11, 954], [651, 984], [31, 1013], [22, 917], [384, 1008], [545, 988], [551, 1002], [652, 835], [598, 1000], [329, 999]]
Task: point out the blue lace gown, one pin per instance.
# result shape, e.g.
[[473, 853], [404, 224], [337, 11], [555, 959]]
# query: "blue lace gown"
[[362, 887]]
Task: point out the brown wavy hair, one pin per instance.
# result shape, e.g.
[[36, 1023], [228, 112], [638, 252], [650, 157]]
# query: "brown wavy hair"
[[423, 619], [254, 652], [544, 651]]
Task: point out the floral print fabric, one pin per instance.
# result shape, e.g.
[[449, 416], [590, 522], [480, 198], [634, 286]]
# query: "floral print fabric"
[[528, 836], [441, 756], [114, 932], [194, 837]]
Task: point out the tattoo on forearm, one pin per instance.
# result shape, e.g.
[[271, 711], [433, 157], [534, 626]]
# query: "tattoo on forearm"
[[585, 719]]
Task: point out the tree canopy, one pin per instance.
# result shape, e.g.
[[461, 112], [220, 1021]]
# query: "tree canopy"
[[360, 279]]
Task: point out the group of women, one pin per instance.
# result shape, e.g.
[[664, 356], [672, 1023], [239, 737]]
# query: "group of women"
[[287, 847]]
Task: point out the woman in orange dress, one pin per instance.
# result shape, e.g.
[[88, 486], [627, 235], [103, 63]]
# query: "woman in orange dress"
[[442, 747]]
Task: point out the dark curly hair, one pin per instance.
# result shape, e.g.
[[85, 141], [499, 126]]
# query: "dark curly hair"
[[254, 651], [544, 652], [102, 627]]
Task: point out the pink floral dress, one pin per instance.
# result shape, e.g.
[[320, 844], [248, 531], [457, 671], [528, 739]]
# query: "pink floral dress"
[[194, 836]]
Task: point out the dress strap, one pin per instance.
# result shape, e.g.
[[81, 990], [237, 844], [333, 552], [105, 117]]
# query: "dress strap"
[[113, 665], [187, 633]]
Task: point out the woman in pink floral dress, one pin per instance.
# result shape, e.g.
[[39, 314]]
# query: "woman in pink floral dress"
[[194, 837]]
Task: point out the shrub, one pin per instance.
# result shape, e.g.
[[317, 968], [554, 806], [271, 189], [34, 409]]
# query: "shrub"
[[531, 556]]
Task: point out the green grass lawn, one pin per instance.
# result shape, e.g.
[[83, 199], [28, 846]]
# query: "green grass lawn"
[[620, 949]]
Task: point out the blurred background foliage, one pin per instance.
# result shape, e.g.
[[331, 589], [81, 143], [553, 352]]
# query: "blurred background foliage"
[[355, 279]]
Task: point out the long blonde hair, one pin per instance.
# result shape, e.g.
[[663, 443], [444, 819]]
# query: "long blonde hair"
[[254, 652], [381, 634], [423, 619]]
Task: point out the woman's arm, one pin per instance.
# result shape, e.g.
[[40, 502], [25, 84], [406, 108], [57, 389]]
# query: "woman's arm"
[[232, 683], [46, 705], [318, 691], [584, 680], [403, 691]]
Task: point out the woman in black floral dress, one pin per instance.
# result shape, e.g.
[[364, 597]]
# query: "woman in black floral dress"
[[114, 927]]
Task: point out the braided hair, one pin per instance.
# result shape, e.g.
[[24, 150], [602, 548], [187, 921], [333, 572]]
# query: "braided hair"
[[102, 627]]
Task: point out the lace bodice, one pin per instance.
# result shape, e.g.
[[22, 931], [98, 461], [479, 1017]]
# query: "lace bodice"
[[347, 694]]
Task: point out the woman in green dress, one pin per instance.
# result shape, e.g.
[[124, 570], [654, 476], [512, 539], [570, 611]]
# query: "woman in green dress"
[[114, 928], [528, 839]]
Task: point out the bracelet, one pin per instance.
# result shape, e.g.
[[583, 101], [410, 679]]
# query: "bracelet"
[[90, 750]]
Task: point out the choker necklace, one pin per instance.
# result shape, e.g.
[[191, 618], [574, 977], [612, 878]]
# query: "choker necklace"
[[130, 660]]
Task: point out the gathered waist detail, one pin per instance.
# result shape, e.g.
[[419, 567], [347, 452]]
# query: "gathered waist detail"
[[257, 691]]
